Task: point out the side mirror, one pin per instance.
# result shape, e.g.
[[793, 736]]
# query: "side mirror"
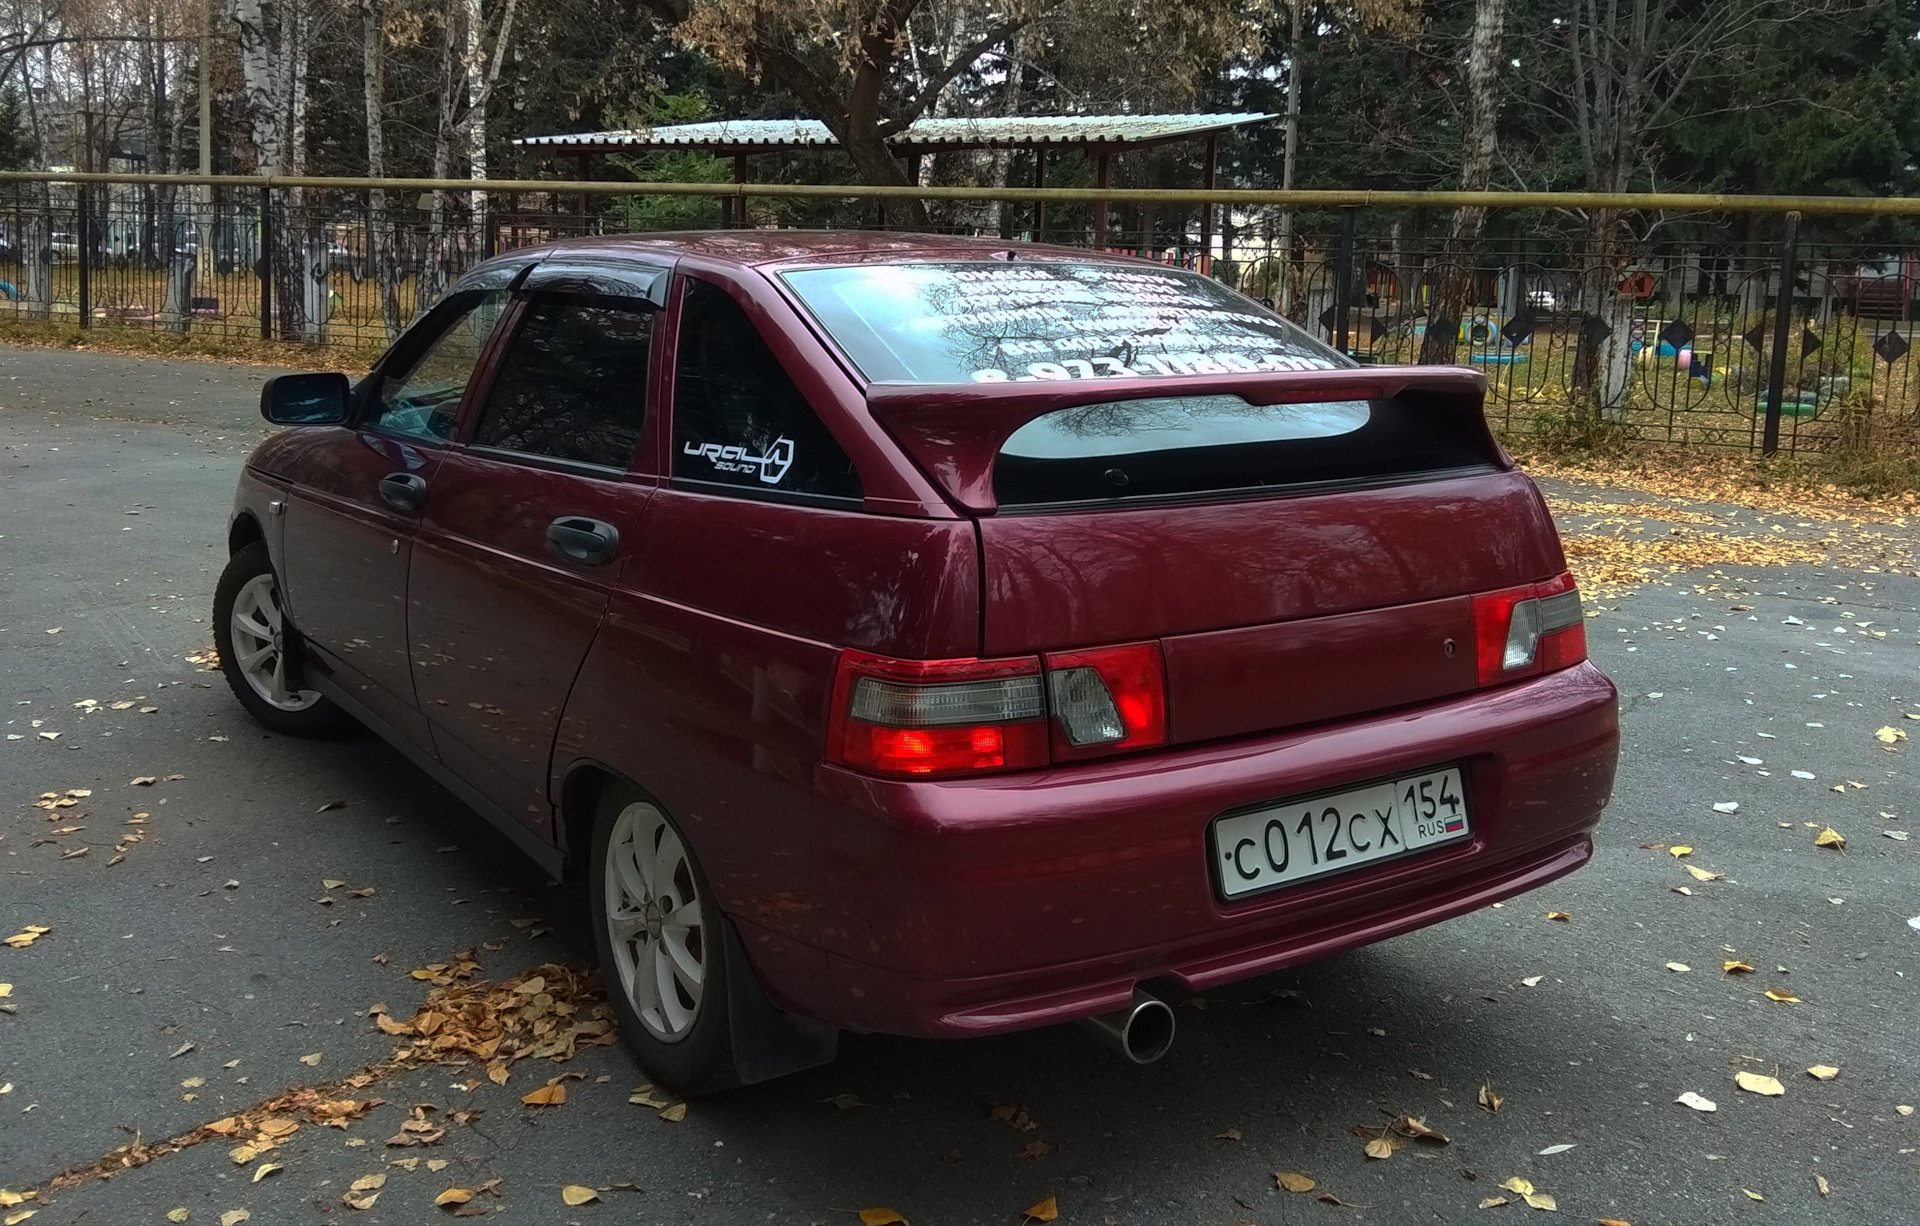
[[305, 400]]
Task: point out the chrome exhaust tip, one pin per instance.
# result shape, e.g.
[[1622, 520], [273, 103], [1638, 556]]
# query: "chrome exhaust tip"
[[1142, 1032]]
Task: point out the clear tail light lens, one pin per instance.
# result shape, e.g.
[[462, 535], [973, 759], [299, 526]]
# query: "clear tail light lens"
[[1527, 630]]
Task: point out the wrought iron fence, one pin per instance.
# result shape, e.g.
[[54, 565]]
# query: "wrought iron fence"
[[1696, 338]]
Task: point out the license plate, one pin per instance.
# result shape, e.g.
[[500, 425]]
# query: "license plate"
[[1278, 845]]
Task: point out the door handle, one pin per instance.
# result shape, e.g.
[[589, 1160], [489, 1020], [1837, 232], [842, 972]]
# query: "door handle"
[[404, 492], [589, 542]]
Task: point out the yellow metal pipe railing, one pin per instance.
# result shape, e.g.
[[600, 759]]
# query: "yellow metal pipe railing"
[[1686, 202]]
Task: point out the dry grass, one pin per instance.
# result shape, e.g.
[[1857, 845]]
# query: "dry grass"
[[153, 343]]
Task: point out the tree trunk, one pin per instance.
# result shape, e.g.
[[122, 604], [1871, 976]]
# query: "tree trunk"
[[432, 281], [379, 230], [1603, 356], [1285, 298], [1453, 294]]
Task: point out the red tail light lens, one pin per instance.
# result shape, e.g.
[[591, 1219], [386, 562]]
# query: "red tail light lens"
[[937, 717], [1107, 700], [1528, 630]]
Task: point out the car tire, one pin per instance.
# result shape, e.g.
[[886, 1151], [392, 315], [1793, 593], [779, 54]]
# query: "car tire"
[[261, 652], [655, 920]]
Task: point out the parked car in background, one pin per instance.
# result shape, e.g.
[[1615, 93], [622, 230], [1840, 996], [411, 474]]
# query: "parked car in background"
[[926, 635]]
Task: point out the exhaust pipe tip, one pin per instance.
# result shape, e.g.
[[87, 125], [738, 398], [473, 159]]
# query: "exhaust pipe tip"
[[1142, 1032]]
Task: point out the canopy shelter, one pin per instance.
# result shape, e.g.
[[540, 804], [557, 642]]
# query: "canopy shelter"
[[1101, 136]]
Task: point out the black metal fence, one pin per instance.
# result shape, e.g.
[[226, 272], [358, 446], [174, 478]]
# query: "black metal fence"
[[1697, 338]]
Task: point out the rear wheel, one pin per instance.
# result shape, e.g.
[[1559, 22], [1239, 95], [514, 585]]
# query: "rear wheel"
[[260, 651], [662, 951]]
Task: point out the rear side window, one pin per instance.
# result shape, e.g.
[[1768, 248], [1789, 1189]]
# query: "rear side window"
[[573, 384], [739, 423], [1186, 445], [1000, 321]]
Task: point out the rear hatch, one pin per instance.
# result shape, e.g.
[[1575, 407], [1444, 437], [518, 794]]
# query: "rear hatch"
[[1303, 538]]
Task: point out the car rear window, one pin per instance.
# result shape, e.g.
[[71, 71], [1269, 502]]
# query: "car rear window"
[[1180, 446], [995, 321]]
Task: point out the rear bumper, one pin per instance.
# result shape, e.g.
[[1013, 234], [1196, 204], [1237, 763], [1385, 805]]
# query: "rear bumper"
[[965, 908]]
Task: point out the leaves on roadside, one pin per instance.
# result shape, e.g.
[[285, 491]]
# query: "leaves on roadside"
[[1697, 1101], [1294, 1181], [674, 1114], [1888, 735], [576, 1195], [27, 936], [1830, 838], [1013, 1115], [1381, 1147], [1494, 1202], [1562, 916], [1489, 1100], [1550, 1150], [1736, 967], [1701, 874], [1045, 1211], [1759, 1083], [1785, 998], [265, 1169], [1679, 850], [369, 1183], [1678, 968], [453, 1196], [881, 1217], [1823, 1072]]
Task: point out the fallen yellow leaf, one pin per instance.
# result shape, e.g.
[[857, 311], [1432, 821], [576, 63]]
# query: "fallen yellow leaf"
[[1733, 967], [1830, 838], [1379, 1147], [179, 1215], [1889, 734], [265, 1169], [1752, 1195], [675, 1113], [1611, 1221], [1678, 967], [1490, 1102], [1560, 915], [881, 1217], [1494, 1202], [233, 1217], [1785, 998], [1823, 1072], [14, 1219], [1759, 1083], [243, 1154], [1679, 850], [1820, 1182], [1294, 1181], [1540, 1200], [576, 1195], [550, 1095], [1045, 1211], [311, 1059], [1516, 1184], [1701, 874], [364, 1201], [453, 1196], [370, 1183]]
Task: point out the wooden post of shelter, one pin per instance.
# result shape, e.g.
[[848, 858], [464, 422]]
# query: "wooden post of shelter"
[[1206, 210], [1102, 165], [1039, 181]]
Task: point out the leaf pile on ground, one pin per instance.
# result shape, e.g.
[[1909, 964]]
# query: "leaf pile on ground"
[[544, 1014]]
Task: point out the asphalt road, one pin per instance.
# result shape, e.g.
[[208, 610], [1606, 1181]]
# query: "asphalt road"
[[115, 476]]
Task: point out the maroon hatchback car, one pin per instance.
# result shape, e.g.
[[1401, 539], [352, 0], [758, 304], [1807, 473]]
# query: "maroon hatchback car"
[[921, 635]]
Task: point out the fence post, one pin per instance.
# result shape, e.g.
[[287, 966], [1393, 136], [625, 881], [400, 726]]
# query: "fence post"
[[264, 265], [1343, 278], [1782, 310], [83, 234]]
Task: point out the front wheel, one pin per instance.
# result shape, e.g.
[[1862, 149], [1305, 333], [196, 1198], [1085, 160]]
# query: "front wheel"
[[662, 951], [260, 650]]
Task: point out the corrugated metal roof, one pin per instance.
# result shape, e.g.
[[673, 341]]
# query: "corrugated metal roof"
[[984, 132]]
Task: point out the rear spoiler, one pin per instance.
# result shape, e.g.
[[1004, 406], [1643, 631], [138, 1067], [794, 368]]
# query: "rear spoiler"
[[954, 431]]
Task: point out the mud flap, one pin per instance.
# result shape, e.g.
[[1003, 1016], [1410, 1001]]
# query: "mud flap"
[[767, 1042]]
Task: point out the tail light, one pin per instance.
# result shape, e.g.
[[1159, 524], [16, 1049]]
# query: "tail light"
[[1527, 630], [956, 717], [937, 717], [1107, 700]]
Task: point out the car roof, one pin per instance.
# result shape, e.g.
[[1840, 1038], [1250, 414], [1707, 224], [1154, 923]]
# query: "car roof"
[[757, 248]]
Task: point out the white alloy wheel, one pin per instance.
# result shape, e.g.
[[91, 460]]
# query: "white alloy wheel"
[[660, 942], [259, 644]]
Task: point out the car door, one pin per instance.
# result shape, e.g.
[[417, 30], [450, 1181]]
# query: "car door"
[[356, 499], [531, 524]]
